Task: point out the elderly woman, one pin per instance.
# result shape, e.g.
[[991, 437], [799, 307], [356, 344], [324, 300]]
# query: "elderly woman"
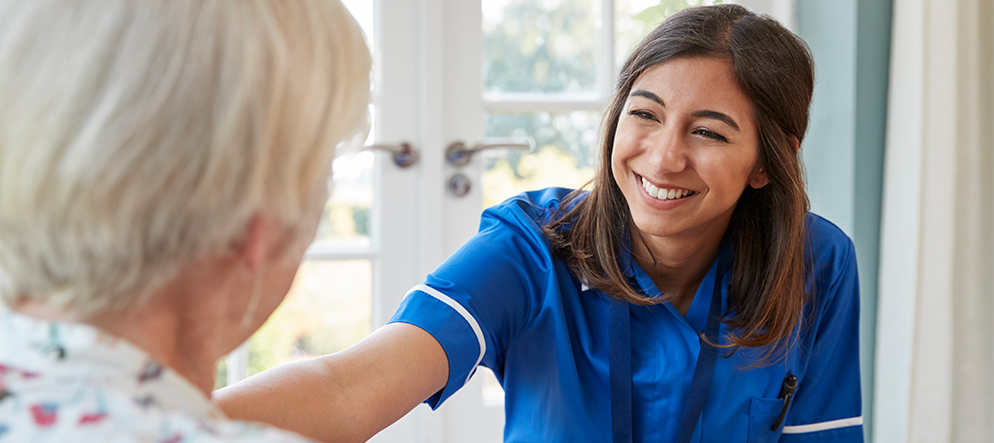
[[163, 166]]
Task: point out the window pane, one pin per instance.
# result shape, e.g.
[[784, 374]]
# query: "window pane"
[[363, 12], [540, 47], [635, 18], [491, 391], [346, 219], [565, 154], [327, 309]]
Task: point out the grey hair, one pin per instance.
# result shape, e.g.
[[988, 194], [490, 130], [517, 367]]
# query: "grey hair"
[[139, 135]]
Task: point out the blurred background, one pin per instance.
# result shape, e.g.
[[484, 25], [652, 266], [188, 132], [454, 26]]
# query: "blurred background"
[[899, 154]]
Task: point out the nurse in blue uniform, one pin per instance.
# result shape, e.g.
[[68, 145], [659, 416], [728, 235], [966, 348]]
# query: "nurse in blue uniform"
[[688, 296]]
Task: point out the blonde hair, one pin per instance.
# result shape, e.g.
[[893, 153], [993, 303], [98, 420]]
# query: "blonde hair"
[[137, 136]]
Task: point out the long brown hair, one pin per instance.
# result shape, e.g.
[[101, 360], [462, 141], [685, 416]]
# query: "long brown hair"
[[774, 69]]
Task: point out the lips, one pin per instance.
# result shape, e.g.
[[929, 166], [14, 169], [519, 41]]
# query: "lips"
[[666, 193]]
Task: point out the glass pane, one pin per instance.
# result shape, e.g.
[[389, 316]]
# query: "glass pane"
[[346, 219], [329, 305], [540, 47], [345, 222], [221, 374], [565, 153], [362, 10], [491, 391], [635, 18], [327, 309]]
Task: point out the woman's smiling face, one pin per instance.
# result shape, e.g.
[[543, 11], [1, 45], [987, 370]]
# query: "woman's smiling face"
[[685, 148]]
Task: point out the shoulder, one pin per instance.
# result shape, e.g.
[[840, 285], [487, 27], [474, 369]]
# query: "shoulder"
[[116, 418], [178, 426], [828, 245], [832, 278], [532, 207], [525, 214]]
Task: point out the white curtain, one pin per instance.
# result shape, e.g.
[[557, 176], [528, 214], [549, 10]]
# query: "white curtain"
[[934, 377]]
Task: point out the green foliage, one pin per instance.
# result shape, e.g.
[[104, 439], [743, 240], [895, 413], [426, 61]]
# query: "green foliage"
[[654, 15], [221, 374], [546, 168], [327, 309], [542, 48], [551, 47], [565, 157]]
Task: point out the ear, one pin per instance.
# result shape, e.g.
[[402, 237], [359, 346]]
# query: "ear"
[[253, 248], [796, 143], [758, 178]]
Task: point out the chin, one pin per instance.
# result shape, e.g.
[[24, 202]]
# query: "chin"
[[657, 228]]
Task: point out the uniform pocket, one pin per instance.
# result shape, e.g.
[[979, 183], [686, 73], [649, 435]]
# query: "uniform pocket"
[[763, 412]]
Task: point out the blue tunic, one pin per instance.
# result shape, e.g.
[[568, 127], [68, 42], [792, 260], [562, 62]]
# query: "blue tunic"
[[505, 302]]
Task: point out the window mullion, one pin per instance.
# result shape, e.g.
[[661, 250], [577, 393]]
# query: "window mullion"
[[607, 64], [237, 361]]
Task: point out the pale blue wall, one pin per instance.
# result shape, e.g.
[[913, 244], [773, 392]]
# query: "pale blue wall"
[[844, 147]]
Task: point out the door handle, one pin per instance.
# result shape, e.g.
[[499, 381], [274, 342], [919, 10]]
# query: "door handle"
[[459, 154], [404, 153]]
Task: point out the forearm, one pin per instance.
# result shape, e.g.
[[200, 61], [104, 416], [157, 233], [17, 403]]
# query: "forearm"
[[348, 396]]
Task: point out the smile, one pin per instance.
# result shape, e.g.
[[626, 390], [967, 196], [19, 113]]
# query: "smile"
[[665, 193]]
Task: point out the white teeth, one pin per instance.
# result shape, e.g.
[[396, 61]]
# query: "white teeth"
[[664, 194]]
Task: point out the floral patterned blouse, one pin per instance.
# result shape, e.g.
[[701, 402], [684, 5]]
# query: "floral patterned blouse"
[[68, 382]]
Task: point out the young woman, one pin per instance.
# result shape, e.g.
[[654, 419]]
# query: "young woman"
[[689, 296]]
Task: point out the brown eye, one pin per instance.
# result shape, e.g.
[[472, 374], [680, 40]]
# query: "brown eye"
[[642, 114], [707, 133]]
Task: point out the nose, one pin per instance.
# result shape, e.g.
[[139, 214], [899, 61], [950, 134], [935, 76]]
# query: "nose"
[[667, 150]]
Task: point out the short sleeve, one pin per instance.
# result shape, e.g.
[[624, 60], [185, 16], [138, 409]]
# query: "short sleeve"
[[827, 406], [488, 291]]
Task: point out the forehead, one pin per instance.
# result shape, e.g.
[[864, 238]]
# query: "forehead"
[[697, 82]]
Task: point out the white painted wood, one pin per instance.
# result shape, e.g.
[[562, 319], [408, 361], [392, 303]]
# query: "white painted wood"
[[329, 253], [237, 367], [607, 68], [398, 102], [460, 87], [900, 231], [524, 103]]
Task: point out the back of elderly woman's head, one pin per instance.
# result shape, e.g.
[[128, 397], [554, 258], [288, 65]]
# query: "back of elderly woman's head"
[[137, 136]]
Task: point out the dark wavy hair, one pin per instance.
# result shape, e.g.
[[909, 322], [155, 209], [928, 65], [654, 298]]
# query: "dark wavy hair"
[[773, 67]]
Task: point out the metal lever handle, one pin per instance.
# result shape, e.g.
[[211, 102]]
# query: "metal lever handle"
[[458, 154], [404, 153]]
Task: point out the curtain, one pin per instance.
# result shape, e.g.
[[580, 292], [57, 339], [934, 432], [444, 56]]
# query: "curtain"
[[934, 377]]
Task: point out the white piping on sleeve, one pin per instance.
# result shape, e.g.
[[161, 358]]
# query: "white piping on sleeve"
[[465, 315], [823, 426]]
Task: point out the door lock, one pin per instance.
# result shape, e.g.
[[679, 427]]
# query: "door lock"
[[459, 184]]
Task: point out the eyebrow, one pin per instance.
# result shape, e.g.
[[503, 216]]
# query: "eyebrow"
[[705, 113], [717, 116], [648, 95]]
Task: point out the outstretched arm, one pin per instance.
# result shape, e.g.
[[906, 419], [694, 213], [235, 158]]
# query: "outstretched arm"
[[346, 396]]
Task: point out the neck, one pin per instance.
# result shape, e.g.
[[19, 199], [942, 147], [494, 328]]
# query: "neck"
[[183, 341], [178, 326], [677, 264]]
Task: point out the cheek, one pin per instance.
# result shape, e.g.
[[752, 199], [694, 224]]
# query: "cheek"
[[731, 175], [617, 161], [622, 150]]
